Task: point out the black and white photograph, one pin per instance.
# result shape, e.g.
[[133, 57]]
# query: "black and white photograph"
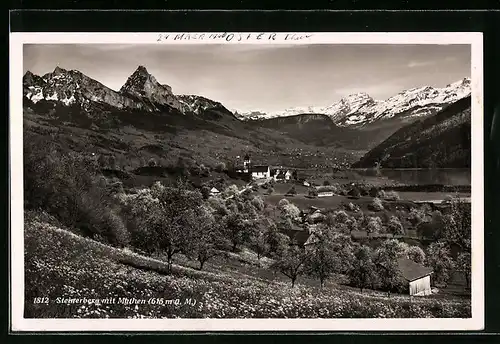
[[300, 176]]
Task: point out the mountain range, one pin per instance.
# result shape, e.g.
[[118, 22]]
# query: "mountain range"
[[141, 92], [145, 115], [358, 110]]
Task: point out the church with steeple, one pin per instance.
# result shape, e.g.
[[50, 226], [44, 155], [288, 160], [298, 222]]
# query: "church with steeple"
[[256, 171]]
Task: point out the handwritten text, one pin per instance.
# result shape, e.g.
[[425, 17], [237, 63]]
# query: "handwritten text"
[[233, 37]]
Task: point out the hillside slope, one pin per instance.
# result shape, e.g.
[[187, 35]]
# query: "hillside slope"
[[441, 141], [60, 264]]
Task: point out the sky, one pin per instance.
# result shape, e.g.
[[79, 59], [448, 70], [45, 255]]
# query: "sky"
[[263, 77]]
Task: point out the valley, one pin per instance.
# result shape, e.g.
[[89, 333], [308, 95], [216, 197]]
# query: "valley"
[[149, 193]]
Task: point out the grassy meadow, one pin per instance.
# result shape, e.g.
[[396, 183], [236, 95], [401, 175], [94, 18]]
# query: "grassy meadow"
[[60, 264]]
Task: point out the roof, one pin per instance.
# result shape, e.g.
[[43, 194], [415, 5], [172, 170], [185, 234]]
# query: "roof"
[[259, 168], [300, 236], [214, 190], [312, 239], [412, 271]]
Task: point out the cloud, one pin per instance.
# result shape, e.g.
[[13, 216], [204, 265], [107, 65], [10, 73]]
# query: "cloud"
[[414, 64]]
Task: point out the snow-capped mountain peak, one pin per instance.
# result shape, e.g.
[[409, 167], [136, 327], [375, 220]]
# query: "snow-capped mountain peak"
[[141, 91], [69, 87], [360, 108]]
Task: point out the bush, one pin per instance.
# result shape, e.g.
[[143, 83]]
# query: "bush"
[[395, 227], [376, 205], [292, 191], [448, 198], [152, 162], [313, 193], [416, 254], [373, 192], [282, 203], [258, 203], [232, 190], [388, 195], [351, 207], [354, 192], [220, 167], [374, 225], [113, 228], [290, 211]]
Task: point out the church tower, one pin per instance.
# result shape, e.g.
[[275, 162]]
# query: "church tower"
[[246, 162]]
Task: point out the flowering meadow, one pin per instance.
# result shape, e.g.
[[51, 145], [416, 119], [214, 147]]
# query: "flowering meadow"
[[61, 267]]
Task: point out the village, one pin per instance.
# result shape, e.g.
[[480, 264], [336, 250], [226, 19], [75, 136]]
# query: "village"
[[279, 184]]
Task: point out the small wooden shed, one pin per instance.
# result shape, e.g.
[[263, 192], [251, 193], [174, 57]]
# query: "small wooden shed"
[[417, 276]]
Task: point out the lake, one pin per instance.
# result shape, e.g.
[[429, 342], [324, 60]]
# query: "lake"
[[445, 176]]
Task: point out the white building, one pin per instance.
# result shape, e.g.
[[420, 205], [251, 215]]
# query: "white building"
[[325, 194], [214, 192], [417, 276], [259, 172]]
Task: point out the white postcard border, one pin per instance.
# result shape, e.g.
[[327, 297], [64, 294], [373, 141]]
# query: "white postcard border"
[[18, 323]]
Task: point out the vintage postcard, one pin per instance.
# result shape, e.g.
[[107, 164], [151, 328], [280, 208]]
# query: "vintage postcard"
[[246, 181]]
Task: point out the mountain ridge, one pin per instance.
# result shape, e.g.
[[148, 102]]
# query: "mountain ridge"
[[439, 141], [141, 91], [360, 109]]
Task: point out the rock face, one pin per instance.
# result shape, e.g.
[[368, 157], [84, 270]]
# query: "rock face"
[[141, 91], [73, 87], [358, 110], [198, 104], [142, 85]]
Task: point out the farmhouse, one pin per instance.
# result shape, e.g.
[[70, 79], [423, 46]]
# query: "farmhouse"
[[325, 194], [417, 276], [260, 171], [282, 174], [214, 192]]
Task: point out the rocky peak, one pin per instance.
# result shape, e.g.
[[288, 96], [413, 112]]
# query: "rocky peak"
[[198, 104], [30, 79], [143, 85], [58, 71], [358, 96]]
